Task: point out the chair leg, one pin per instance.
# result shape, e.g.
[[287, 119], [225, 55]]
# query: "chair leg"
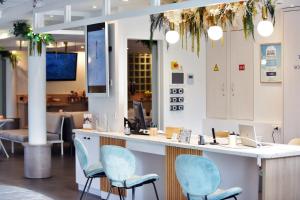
[[62, 148], [108, 195], [235, 197], [83, 191], [133, 193], [12, 147], [119, 191], [155, 190], [88, 189], [188, 196]]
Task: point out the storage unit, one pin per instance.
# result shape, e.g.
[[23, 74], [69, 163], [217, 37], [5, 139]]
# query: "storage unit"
[[230, 78], [291, 76]]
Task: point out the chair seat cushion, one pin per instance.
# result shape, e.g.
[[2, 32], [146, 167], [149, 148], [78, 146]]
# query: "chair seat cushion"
[[219, 194], [94, 169], [136, 180], [21, 135], [222, 194]]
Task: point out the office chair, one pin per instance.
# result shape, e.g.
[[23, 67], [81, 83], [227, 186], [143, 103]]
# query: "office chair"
[[119, 166], [200, 178]]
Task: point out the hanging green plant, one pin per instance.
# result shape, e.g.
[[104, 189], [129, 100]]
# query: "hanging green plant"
[[196, 22], [36, 40]]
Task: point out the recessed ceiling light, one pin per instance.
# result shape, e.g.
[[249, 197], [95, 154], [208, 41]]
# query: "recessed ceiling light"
[[292, 5], [82, 47], [94, 7], [51, 16], [125, 0]]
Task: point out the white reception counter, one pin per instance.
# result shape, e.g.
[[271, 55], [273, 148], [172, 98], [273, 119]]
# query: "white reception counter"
[[268, 172]]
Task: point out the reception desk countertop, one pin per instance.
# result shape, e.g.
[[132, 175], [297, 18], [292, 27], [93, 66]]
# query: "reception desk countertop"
[[265, 152]]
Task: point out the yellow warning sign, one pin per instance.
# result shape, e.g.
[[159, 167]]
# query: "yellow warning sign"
[[216, 68]]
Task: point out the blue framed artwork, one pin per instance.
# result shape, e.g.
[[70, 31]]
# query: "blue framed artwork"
[[270, 63]]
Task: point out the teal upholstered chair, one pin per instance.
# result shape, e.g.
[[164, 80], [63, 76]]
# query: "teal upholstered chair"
[[119, 166], [90, 171], [200, 179]]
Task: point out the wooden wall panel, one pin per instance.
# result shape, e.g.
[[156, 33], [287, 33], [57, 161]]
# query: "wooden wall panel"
[[110, 141], [281, 179], [173, 189]]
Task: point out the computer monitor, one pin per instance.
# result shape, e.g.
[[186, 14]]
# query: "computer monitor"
[[139, 115]]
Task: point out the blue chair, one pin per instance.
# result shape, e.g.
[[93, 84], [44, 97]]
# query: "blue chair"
[[90, 171], [200, 179], [119, 166]]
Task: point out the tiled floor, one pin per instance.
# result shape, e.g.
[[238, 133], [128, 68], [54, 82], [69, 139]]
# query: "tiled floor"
[[61, 186]]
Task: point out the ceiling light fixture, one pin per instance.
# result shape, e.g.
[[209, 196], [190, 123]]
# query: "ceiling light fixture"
[[265, 27], [94, 7], [215, 32]]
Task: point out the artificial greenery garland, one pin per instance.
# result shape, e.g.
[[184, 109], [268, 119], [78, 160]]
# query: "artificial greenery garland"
[[23, 30], [195, 22]]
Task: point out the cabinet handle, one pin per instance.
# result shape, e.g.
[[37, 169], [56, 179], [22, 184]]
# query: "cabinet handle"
[[88, 138], [232, 89], [84, 138]]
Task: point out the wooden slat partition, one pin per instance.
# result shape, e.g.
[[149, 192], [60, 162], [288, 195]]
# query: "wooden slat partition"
[[173, 189], [111, 141], [281, 179]]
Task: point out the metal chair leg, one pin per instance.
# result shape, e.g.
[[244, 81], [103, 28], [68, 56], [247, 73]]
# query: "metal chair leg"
[[235, 197], [108, 195], [88, 189], [3, 148], [119, 191], [188, 196], [83, 191], [133, 193], [155, 190]]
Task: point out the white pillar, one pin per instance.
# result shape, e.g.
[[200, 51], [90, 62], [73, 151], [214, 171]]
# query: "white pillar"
[[37, 98], [11, 90]]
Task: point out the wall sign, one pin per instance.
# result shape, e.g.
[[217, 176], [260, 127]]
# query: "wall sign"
[[176, 99], [176, 91], [270, 65], [216, 68], [176, 107]]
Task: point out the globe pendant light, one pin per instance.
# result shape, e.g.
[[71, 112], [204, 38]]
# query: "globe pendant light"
[[265, 28], [215, 32], [172, 36]]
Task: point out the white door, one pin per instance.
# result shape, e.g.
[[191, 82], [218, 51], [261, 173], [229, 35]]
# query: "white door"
[[241, 76], [216, 79], [291, 76]]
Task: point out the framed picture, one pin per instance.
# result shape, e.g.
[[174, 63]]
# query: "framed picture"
[[185, 136], [270, 63]]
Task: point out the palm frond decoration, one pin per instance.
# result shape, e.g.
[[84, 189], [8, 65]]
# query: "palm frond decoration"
[[23, 29], [195, 22]]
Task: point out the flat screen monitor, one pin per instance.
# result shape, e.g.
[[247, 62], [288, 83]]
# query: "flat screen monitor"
[[61, 66], [97, 59], [139, 115]]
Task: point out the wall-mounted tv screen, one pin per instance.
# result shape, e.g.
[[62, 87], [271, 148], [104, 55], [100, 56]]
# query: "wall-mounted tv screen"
[[97, 59], [61, 66]]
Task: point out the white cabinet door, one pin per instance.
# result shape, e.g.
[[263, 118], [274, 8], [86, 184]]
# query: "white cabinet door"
[[291, 76], [92, 144], [216, 79], [241, 80]]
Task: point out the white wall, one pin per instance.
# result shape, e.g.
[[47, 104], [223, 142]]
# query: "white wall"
[[116, 105], [55, 87]]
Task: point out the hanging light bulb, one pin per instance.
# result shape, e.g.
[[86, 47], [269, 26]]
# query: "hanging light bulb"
[[172, 36], [215, 32], [265, 28]]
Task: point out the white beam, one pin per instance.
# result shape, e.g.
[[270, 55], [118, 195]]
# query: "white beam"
[[106, 7], [155, 2], [74, 13], [135, 13], [38, 20], [68, 14]]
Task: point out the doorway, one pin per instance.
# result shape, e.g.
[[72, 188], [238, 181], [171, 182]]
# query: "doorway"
[[143, 79]]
